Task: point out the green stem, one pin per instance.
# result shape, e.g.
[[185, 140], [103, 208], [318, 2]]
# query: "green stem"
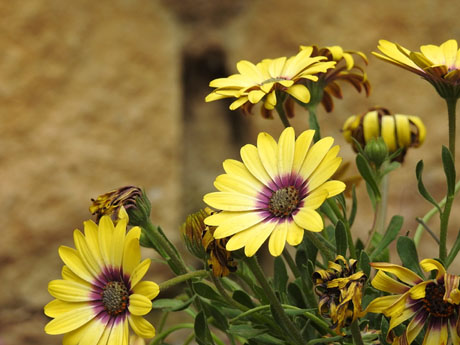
[[444, 227], [182, 278], [313, 121], [380, 211], [325, 328], [159, 241], [356, 333], [282, 114], [451, 105], [325, 248], [288, 258], [351, 245], [289, 326], [159, 337], [428, 215], [162, 322]]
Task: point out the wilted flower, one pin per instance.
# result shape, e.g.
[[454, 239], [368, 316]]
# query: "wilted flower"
[[200, 242], [275, 191], [340, 291], [110, 203], [345, 70], [439, 65], [260, 82], [101, 292], [397, 130], [433, 302]]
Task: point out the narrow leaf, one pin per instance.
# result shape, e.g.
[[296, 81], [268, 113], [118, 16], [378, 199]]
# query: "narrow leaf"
[[354, 206], [366, 172], [390, 234], [421, 187], [449, 170], [408, 254], [364, 263], [242, 297], [204, 290], [341, 238], [454, 251]]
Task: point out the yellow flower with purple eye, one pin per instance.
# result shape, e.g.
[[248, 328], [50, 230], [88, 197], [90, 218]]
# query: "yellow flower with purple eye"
[[101, 291], [259, 82], [433, 303], [275, 192], [439, 65]]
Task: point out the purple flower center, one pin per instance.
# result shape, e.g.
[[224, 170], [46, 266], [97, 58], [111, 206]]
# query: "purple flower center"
[[115, 297], [434, 301], [284, 201]]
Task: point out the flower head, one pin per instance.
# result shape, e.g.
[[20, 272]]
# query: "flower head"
[[274, 192], [260, 82], [101, 292], [345, 70], [439, 65], [110, 203], [398, 131], [433, 302], [340, 291]]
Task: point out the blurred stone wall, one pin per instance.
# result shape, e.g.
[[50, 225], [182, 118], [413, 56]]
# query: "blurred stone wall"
[[97, 95]]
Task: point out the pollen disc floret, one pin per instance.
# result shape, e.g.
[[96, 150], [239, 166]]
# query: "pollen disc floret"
[[434, 301], [274, 192], [101, 291]]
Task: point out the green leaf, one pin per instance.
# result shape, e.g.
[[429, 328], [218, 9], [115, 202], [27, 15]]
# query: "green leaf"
[[295, 295], [202, 333], [390, 167], [245, 331], [408, 254], [266, 338], [454, 251], [220, 321], [390, 234], [280, 275], [364, 263], [243, 298], [449, 170], [354, 206], [169, 304], [384, 325], [341, 238], [366, 172], [204, 290], [421, 187]]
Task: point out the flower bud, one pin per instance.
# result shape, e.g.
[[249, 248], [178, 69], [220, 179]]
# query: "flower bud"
[[396, 130], [193, 231], [376, 151]]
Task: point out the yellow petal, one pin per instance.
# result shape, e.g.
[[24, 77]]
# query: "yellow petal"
[[302, 145], [332, 187], [139, 304], [232, 183], [148, 289], [74, 337], [433, 53], [69, 291], [139, 272], [234, 223], [118, 242], [315, 199], [105, 235], [436, 333], [389, 132], [295, 233], [238, 103], [278, 239], [239, 170], [324, 171], [385, 283], [299, 92], [131, 255], [91, 237], [255, 96], [118, 335], [249, 70], [371, 126], [431, 265], [251, 160], [67, 274], [70, 321], [420, 129], [228, 201], [72, 259], [93, 333], [380, 304], [309, 219], [141, 326], [268, 148], [314, 156], [415, 326], [286, 147], [252, 237], [57, 307], [418, 291], [403, 274]]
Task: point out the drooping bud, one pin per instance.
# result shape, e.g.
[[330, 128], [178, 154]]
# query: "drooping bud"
[[193, 231], [397, 131]]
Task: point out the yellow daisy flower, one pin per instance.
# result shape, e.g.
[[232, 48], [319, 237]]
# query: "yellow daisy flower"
[[255, 83], [274, 192], [101, 292], [345, 70], [340, 290], [439, 65], [397, 130], [433, 302]]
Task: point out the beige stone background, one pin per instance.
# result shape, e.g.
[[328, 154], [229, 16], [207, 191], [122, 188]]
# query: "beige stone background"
[[99, 94]]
